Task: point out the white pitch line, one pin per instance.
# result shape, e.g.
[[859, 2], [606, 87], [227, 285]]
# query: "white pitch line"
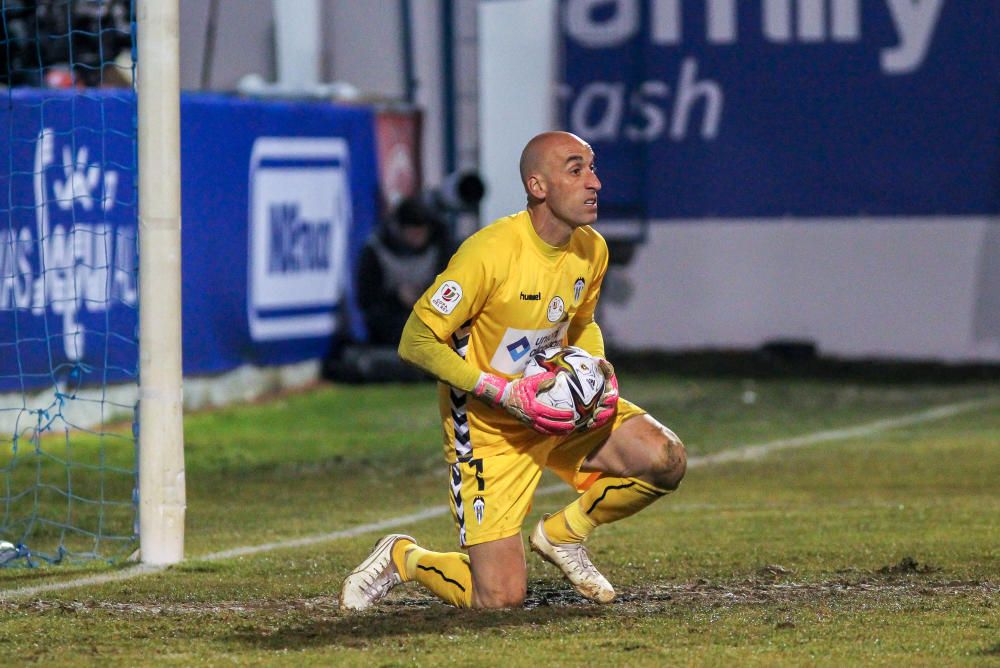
[[739, 454], [359, 530], [756, 451], [124, 574]]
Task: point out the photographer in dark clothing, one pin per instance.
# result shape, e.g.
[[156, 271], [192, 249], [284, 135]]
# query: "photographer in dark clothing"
[[397, 264], [400, 259]]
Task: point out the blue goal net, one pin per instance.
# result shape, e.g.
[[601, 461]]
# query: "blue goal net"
[[68, 280]]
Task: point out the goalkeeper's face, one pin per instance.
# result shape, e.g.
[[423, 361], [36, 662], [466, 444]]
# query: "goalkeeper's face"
[[571, 177]]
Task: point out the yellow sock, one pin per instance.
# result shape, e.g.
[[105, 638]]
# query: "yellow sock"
[[569, 525], [607, 500], [446, 574], [398, 555]]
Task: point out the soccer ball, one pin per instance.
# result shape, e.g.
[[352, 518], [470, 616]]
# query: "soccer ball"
[[579, 383]]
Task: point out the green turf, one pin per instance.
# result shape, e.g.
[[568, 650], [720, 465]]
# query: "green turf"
[[881, 550]]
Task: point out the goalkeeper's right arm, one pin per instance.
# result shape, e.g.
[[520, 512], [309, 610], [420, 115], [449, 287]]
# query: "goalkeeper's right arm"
[[420, 346]]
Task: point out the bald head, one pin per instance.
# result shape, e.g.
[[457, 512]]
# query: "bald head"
[[542, 148]]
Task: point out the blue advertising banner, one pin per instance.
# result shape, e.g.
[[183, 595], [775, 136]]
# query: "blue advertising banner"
[[277, 201], [68, 254], [786, 107]]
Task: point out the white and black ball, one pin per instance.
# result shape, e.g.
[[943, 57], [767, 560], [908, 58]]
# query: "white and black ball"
[[578, 385]]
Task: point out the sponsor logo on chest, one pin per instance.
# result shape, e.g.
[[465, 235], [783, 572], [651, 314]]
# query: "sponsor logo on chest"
[[511, 355]]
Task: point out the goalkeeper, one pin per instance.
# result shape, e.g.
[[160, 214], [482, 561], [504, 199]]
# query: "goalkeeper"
[[528, 281]]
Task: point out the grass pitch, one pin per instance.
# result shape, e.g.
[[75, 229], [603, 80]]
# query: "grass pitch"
[[877, 549]]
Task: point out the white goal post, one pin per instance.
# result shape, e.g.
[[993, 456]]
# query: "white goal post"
[[161, 436]]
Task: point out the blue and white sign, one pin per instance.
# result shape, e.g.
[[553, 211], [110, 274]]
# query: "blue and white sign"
[[68, 255], [771, 108], [300, 215], [277, 201]]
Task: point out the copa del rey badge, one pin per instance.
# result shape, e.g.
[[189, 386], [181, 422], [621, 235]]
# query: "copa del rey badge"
[[446, 297]]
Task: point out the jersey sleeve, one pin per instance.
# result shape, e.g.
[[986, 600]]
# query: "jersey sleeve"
[[461, 290], [419, 346], [587, 336]]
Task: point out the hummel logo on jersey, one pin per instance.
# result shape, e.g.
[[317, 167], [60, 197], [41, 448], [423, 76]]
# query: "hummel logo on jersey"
[[531, 297]]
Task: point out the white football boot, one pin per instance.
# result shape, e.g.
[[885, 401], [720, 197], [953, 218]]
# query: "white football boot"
[[574, 561], [371, 581]]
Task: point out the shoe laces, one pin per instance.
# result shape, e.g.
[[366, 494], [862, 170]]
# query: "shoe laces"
[[380, 586], [381, 582], [578, 558]]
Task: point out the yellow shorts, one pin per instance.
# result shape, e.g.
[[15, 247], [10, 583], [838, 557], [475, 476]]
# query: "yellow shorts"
[[491, 495]]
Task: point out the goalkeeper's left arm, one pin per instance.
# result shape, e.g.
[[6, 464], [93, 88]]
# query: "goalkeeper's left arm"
[[420, 346], [587, 335]]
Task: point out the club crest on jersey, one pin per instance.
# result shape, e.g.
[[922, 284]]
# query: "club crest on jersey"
[[556, 309], [447, 296], [578, 289], [479, 506]]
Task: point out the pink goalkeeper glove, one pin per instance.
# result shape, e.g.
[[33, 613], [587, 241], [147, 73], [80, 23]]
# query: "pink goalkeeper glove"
[[519, 398], [608, 405]]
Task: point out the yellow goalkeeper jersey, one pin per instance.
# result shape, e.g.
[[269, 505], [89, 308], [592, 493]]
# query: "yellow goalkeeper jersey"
[[504, 294]]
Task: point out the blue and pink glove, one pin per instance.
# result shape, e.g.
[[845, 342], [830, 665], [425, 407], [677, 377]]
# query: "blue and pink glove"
[[519, 398]]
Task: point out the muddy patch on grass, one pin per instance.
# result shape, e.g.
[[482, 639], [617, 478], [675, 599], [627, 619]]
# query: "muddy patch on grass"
[[541, 595], [323, 605], [907, 566], [761, 592], [411, 615]]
